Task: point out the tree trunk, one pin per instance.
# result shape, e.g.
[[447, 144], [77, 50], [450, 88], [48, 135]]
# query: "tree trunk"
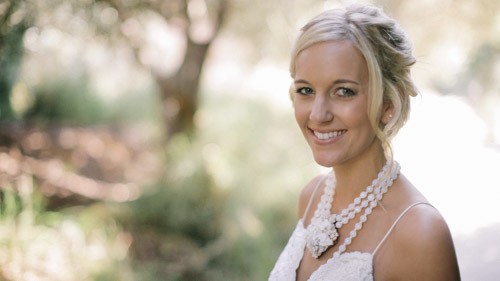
[[180, 93]]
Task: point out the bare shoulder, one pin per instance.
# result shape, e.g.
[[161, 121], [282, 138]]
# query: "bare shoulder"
[[307, 192], [421, 247]]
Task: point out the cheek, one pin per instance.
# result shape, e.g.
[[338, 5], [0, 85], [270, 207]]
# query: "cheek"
[[300, 112], [357, 117], [352, 115]]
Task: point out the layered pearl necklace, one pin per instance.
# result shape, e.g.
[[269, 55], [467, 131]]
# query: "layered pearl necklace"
[[323, 231]]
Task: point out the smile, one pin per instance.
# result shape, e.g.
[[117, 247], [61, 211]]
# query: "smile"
[[329, 135]]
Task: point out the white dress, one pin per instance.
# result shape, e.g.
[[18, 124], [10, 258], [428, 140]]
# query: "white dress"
[[349, 266]]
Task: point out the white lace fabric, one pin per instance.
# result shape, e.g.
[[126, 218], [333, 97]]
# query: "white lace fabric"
[[349, 266]]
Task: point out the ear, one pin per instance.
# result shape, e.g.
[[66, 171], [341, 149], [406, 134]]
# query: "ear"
[[387, 113]]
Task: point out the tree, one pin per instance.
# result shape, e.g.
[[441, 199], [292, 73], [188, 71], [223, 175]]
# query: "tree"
[[199, 21]]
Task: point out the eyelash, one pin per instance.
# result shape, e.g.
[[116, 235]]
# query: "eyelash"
[[300, 91], [350, 92], [347, 92]]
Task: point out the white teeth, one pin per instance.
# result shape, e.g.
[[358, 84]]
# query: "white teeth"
[[330, 135]]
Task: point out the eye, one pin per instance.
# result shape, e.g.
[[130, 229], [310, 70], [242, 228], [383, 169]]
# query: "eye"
[[345, 92], [306, 91]]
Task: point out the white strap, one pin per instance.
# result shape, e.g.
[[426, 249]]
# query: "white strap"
[[395, 223], [311, 198]]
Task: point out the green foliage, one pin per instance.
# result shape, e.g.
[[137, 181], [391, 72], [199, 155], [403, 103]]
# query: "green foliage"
[[11, 203], [251, 257], [188, 205], [66, 99], [78, 244], [11, 53], [70, 99], [139, 104], [177, 222]]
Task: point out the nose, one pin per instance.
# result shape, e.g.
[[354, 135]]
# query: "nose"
[[320, 111]]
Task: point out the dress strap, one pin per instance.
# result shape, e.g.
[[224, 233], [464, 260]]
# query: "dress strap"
[[311, 198], [395, 223]]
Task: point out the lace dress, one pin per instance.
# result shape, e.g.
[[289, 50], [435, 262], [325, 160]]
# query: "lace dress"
[[349, 266], [346, 267]]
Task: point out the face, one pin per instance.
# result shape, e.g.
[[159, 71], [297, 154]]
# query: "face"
[[331, 102]]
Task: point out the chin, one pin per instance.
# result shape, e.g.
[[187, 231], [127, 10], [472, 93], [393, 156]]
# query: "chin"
[[325, 162]]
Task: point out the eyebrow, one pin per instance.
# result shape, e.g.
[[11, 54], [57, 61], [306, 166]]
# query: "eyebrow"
[[338, 81]]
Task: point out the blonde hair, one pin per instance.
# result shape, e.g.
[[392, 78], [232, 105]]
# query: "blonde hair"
[[388, 55]]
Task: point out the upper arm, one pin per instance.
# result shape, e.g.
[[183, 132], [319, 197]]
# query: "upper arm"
[[423, 247], [306, 194]]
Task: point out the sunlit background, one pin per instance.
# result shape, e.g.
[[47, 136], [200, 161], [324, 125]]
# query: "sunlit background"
[[155, 140]]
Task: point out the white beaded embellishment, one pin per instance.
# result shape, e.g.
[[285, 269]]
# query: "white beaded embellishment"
[[322, 232]]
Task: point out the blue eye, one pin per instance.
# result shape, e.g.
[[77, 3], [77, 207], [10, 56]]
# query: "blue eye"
[[345, 92], [306, 91]]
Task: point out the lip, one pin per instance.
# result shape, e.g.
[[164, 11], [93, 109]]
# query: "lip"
[[330, 140]]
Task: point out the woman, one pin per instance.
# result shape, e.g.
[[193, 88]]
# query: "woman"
[[364, 220]]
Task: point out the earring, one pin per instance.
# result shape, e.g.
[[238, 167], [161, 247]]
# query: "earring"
[[387, 118]]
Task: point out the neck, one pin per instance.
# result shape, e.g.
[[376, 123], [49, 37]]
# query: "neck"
[[354, 176]]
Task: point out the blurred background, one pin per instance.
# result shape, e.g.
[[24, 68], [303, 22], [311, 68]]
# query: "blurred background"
[[155, 139]]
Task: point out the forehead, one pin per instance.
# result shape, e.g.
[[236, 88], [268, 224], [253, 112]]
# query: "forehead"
[[331, 60]]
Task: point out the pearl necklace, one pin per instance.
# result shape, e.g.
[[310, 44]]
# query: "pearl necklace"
[[322, 232]]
